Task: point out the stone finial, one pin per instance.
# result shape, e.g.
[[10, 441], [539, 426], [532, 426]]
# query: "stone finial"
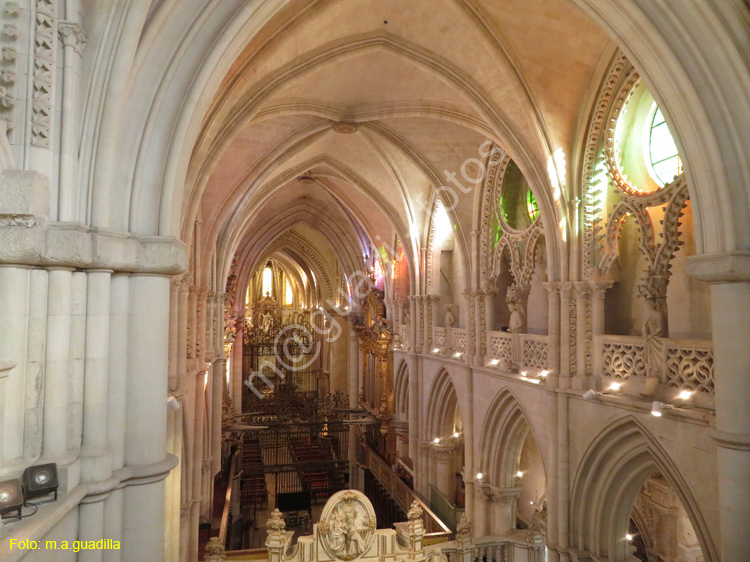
[[215, 550], [415, 511], [275, 523]]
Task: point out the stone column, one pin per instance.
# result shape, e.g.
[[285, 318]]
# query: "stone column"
[[216, 407], [503, 510], [598, 293], [413, 408], [145, 443], [566, 291], [422, 478], [415, 329], [35, 357], [445, 477], [729, 275], [119, 323], [426, 315], [14, 310], [237, 372], [481, 505], [480, 332], [56, 384], [553, 331], [583, 294], [95, 451], [91, 527]]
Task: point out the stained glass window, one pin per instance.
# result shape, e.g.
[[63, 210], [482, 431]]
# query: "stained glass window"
[[665, 161]]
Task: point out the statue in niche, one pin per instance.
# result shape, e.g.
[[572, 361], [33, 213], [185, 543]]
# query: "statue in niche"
[[654, 331], [517, 317], [450, 316]]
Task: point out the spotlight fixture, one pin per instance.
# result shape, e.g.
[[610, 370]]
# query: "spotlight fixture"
[[685, 394], [494, 362], [544, 373], [590, 394], [11, 498], [519, 474], [657, 408], [628, 537], [436, 350], [455, 434], [457, 354], [40, 480], [436, 440], [480, 475], [173, 403]]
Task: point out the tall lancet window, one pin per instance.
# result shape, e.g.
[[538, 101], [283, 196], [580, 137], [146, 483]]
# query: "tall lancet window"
[[267, 281]]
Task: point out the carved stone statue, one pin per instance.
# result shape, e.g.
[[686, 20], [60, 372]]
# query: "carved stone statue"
[[517, 317], [450, 316]]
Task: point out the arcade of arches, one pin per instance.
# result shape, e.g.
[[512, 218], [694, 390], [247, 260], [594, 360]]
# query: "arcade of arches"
[[492, 257]]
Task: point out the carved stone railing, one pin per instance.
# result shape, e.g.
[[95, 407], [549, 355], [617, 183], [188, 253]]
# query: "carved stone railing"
[[527, 351], [683, 364], [458, 339], [534, 354], [439, 337], [516, 547], [501, 346]]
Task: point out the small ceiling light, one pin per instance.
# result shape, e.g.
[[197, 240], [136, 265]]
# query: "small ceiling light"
[[531, 502], [544, 373], [628, 537], [519, 474], [436, 350], [657, 408], [590, 394], [615, 386], [455, 434], [457, 354], [523, 373], [494, 362], [480, 475], [436, 440], [685, 394]]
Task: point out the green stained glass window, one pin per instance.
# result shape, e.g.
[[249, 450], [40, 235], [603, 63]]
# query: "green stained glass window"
[[665, 161]]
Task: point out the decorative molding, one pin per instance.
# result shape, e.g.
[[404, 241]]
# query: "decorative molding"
[[43, 78]]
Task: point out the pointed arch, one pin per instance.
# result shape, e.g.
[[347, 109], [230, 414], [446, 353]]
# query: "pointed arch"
[[621, 458], [504, 433], [401, 390], [442, 406]]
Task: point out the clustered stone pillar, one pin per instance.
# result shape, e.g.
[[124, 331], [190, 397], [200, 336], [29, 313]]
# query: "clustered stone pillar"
[[145, 442], [729, 275]]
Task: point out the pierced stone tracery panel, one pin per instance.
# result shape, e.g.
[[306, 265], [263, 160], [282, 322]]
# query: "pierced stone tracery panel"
[[691, 368], [622, 360]]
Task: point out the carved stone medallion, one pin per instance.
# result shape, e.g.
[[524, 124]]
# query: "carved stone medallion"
[[347, 526]]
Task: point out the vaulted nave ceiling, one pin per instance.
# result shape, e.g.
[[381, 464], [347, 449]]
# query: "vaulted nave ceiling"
[[424, 84]]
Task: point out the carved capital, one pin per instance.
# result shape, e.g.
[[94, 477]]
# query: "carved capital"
[[72, 35]]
